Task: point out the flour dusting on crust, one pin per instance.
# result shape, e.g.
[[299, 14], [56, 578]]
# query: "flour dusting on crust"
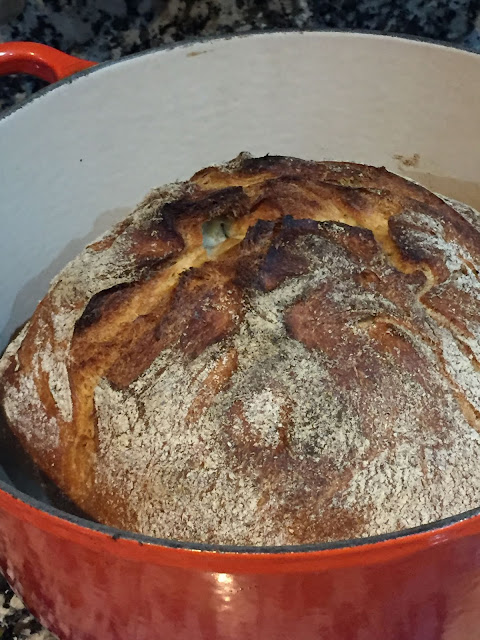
[[312, 376]]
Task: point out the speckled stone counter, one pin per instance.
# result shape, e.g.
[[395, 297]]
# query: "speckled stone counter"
[[109, 29]]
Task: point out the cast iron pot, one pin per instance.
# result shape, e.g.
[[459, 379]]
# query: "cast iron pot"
[[72, 161]]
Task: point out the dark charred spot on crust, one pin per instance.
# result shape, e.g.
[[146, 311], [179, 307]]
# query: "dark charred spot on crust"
[[268, 254], [102, 302], [284, 196], [357, 241], [259, 234], [409, 251], [283, 260], [280, 183], [373, 178], [352, 196], [274, 164], [292, 228], [280, 264], [229, 201], [252, 250]]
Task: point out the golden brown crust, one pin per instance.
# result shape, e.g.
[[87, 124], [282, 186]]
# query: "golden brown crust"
[[311, 376]]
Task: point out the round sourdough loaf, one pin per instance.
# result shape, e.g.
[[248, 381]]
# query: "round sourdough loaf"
[[274, 352]]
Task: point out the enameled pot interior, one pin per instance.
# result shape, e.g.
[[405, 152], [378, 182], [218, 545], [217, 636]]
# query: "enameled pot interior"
[[90, 149]]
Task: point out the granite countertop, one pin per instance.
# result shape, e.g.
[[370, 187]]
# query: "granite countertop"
[[109, 29]]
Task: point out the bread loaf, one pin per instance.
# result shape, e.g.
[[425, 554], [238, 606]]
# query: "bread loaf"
[[274, 352]]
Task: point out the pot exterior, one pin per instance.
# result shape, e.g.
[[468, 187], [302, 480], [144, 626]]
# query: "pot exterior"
[[86, 585], [74, 160]]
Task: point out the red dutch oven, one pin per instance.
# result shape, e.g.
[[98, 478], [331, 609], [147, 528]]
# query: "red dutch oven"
[[74, 159]]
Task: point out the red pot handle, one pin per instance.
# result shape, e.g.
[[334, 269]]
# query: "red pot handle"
[[39, 60]]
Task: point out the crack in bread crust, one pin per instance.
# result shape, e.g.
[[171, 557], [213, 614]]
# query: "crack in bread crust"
[[313, 376]]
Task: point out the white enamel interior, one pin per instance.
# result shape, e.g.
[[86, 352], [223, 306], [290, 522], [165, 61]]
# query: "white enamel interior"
[[78, 157]]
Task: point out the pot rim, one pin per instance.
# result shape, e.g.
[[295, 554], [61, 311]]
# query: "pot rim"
[[257, 34], [436, 530], [427, 532]]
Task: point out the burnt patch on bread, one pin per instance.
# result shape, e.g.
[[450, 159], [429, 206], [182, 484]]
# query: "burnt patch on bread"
[[232, 202], [353, 174], [377, 179], [101, 303], [278, 165], [280, 264], [283, 259], [258, 235], [251, 252]]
